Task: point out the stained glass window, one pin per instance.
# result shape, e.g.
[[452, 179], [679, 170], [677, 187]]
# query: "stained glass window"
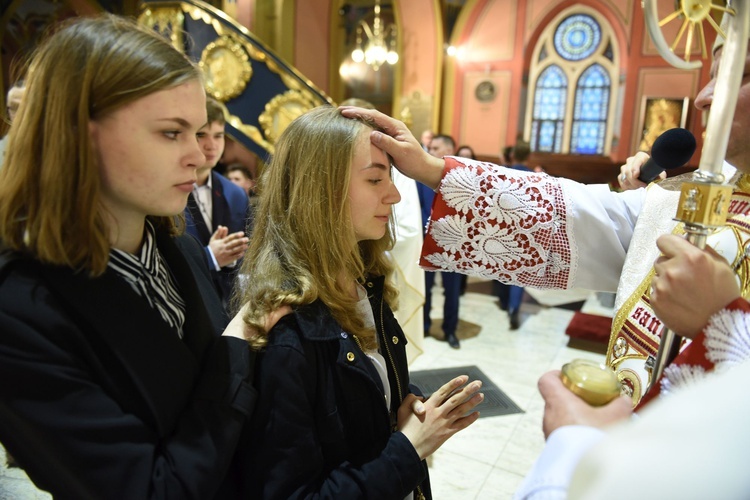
[[571, 85], [549, 110], [577, 37], [590, 111]]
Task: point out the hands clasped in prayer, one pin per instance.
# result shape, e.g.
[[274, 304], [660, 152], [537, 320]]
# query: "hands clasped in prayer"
[[429, 424], [228, 248]]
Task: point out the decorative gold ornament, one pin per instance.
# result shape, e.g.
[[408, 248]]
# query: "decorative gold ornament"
[[485, 91], [630, 385], [621, 347], [281, 110], [227, 68], [165, 20], [704, 204], [693, 13]]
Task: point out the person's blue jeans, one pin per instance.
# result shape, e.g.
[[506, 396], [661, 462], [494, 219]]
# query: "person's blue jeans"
[[452, 291], [515, 296], [510, 296]]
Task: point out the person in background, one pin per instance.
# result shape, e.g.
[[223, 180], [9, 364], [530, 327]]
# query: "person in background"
[[511, 296], [217, 211], [426, 138], [520, 156], [440, 146], [240, 175], [334, 416], [500, 289], [235, 153], [465, 151], [117, 382], [506, 156], [408, 277], [12, 103]]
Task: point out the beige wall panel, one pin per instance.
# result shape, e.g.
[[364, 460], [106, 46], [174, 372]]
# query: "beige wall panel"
[[485, 125]]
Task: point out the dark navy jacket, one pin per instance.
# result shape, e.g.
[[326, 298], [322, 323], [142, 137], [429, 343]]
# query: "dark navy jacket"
[[321, 428]]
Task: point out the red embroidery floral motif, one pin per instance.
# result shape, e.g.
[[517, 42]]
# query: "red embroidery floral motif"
[[499, 223]]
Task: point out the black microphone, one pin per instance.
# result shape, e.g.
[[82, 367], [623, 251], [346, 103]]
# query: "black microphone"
[[672, 149]]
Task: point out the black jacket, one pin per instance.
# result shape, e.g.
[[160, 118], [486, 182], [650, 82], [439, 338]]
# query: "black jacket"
[[101, 399], [321, 428]]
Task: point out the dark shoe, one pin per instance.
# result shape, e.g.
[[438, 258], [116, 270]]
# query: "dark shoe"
[[453, 341], [514, 321]]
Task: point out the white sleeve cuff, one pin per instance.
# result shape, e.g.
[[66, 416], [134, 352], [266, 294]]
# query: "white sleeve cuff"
[[217, 267], [550, 475]]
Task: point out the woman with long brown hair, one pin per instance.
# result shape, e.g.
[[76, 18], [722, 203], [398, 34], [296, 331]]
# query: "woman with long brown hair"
[[116, 381]]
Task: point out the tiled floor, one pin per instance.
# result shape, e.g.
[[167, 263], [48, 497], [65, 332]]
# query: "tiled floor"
[[489, 459]]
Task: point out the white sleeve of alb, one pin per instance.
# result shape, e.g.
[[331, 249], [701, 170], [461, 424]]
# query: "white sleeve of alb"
[[550, 475]]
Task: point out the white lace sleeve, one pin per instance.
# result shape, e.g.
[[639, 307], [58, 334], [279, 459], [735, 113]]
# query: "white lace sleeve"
[[526, 228], [727, 345], [728, 338]]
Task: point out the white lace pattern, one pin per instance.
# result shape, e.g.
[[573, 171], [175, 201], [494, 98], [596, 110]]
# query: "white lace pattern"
[[727, 345], [504, 224], [728, 338], [678, 377]]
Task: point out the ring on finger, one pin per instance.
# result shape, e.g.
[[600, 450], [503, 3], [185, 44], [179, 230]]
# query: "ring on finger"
[[623, 177]]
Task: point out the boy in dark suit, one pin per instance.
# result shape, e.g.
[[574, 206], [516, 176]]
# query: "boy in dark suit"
[[217, 209]]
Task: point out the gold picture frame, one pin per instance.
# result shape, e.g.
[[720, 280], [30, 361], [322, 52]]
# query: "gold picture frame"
[[659, 114]]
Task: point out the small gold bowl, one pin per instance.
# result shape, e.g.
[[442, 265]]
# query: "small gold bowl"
[[595, 383]]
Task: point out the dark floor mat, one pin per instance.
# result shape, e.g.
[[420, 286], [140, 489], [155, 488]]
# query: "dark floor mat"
[[495, 403]]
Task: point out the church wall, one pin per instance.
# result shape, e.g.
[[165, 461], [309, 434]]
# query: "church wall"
[[312, 41]]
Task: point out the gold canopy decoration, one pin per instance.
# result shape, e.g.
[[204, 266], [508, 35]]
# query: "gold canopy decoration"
[[227, 68], [261, 92]]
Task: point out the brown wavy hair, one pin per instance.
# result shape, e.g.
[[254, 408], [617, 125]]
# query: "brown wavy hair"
[[303, 239], [50, 182]]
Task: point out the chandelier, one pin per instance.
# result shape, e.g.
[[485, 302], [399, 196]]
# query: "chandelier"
[[380, 47]]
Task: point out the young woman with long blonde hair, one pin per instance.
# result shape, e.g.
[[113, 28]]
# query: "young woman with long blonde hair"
[[334, 415]]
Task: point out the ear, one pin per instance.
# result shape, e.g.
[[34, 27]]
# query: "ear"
[[94, 138], [93, 129]]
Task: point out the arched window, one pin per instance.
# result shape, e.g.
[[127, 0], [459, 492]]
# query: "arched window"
[[549, 110], [571, 80], [590, 111]]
